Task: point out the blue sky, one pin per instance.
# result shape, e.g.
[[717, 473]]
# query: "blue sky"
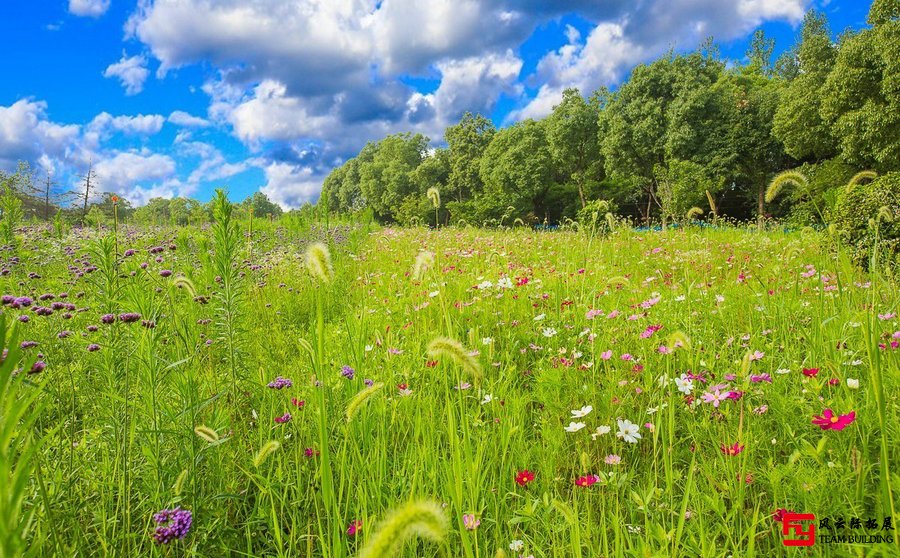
[[178, 97]]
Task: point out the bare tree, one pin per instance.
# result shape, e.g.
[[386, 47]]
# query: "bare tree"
[[89, 180]]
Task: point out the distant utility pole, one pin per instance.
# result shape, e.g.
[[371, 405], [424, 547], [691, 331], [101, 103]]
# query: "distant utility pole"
[[48, 188], [90, 184]]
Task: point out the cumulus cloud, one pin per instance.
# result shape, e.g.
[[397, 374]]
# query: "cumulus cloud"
[[291, 185], [141, 124], [131, 71], [88, 8], [27, 134], [187, 120]]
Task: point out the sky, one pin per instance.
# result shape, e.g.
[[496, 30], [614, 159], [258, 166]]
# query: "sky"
[[178, 97]]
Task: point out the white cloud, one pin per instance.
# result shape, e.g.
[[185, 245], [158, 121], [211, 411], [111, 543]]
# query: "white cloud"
[[187, 120], [291, 185], [131, 71], [88, 8], [125, 171], [141, 124], [27, 134]]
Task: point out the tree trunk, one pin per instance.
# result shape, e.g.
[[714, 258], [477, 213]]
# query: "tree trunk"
[[760, 205]]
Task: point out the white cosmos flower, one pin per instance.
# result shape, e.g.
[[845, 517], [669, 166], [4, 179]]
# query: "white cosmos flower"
[[852, 383], [516, 545], [582, 412], [684, 384], [601, 430], [505, 283], [549, 332], [433, 294], [487, 399], [575, 426], [487, 340], [540, 317], [628, 431]]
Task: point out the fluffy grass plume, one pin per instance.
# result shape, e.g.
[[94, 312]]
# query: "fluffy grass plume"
[[182, 282], [693, 213], [318, 262], [424, 262], [206, 433], [859, 177], [444, 346], [781, 180], [712, 203], [268, 449], [424, 520], [434, 195], [360, 399]]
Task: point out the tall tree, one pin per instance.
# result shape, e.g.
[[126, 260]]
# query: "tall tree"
[[467, 140], [386, 179], [89, 186], [798, 122], [572, 129]]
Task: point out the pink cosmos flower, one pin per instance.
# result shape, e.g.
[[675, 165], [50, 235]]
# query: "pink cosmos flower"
[[810, 372], [830, 421], [606, 355], [716, 397], [732, 450], [354, 528]]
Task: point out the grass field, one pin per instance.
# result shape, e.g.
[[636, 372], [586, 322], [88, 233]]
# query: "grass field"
[[531, 393]]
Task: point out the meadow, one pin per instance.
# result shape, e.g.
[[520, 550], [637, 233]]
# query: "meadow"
[[344, 389]]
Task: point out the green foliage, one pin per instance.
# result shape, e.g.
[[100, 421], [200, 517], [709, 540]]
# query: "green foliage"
[[385, 176], [857, 219], [10, 216]]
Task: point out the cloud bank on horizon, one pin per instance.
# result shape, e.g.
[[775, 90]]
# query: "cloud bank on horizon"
[[278, 92]]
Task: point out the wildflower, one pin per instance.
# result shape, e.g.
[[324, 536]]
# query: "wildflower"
[[628, 431], [280, 383], [757, 378], [107, 318], [626, 357], [574, 426], [852, 383], [810, 372], [586, 481], [830, 421], [283, 418], [369, 382], [471, 522], [582, 412], [779, 514], [516, 545], [606, 355], [549, 332], [354, 528], [756, 355], [165, 273], [487, 399], [612, 459], [171, 524], [93, 347], [601, 430], [347, 372], [715, 397], [684, 384], [732, 450], [129, 317], [524, 477], [299, 403]]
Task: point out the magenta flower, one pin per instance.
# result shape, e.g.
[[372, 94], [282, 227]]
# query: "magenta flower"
[[716, 397], [830, 421]]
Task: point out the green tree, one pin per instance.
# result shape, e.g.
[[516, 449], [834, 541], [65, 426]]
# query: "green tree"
[[517, 170], [386, 179], [262, 206], [798, 122], [572, 130], [467, 141], [861, 97]]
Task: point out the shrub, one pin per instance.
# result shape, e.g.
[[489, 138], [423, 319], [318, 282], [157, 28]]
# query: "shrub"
[[861, 221]]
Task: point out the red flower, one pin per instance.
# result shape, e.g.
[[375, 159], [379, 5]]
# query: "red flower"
[[114, 199], [354, 528], [402, 387], [779, 514], [831, 421], [732, 450], [834, 382], [810, 372], [431, 363], [586, 481], [524, 477]]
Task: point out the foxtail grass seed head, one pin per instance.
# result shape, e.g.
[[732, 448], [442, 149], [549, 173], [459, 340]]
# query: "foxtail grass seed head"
[[423, 520], [712, 203], [884, 215], [783, 179], [268, 449], [360, 399], [424, 262], [182, 282], [179, 483], [206, 433], [453, 349], [434, 195], [860, 177], [693, 213], [318, 261]]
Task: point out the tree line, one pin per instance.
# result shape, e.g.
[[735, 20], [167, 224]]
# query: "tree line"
[[32, 196], [685, 130]]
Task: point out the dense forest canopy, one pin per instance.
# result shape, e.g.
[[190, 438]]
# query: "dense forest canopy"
[[685, 130]]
